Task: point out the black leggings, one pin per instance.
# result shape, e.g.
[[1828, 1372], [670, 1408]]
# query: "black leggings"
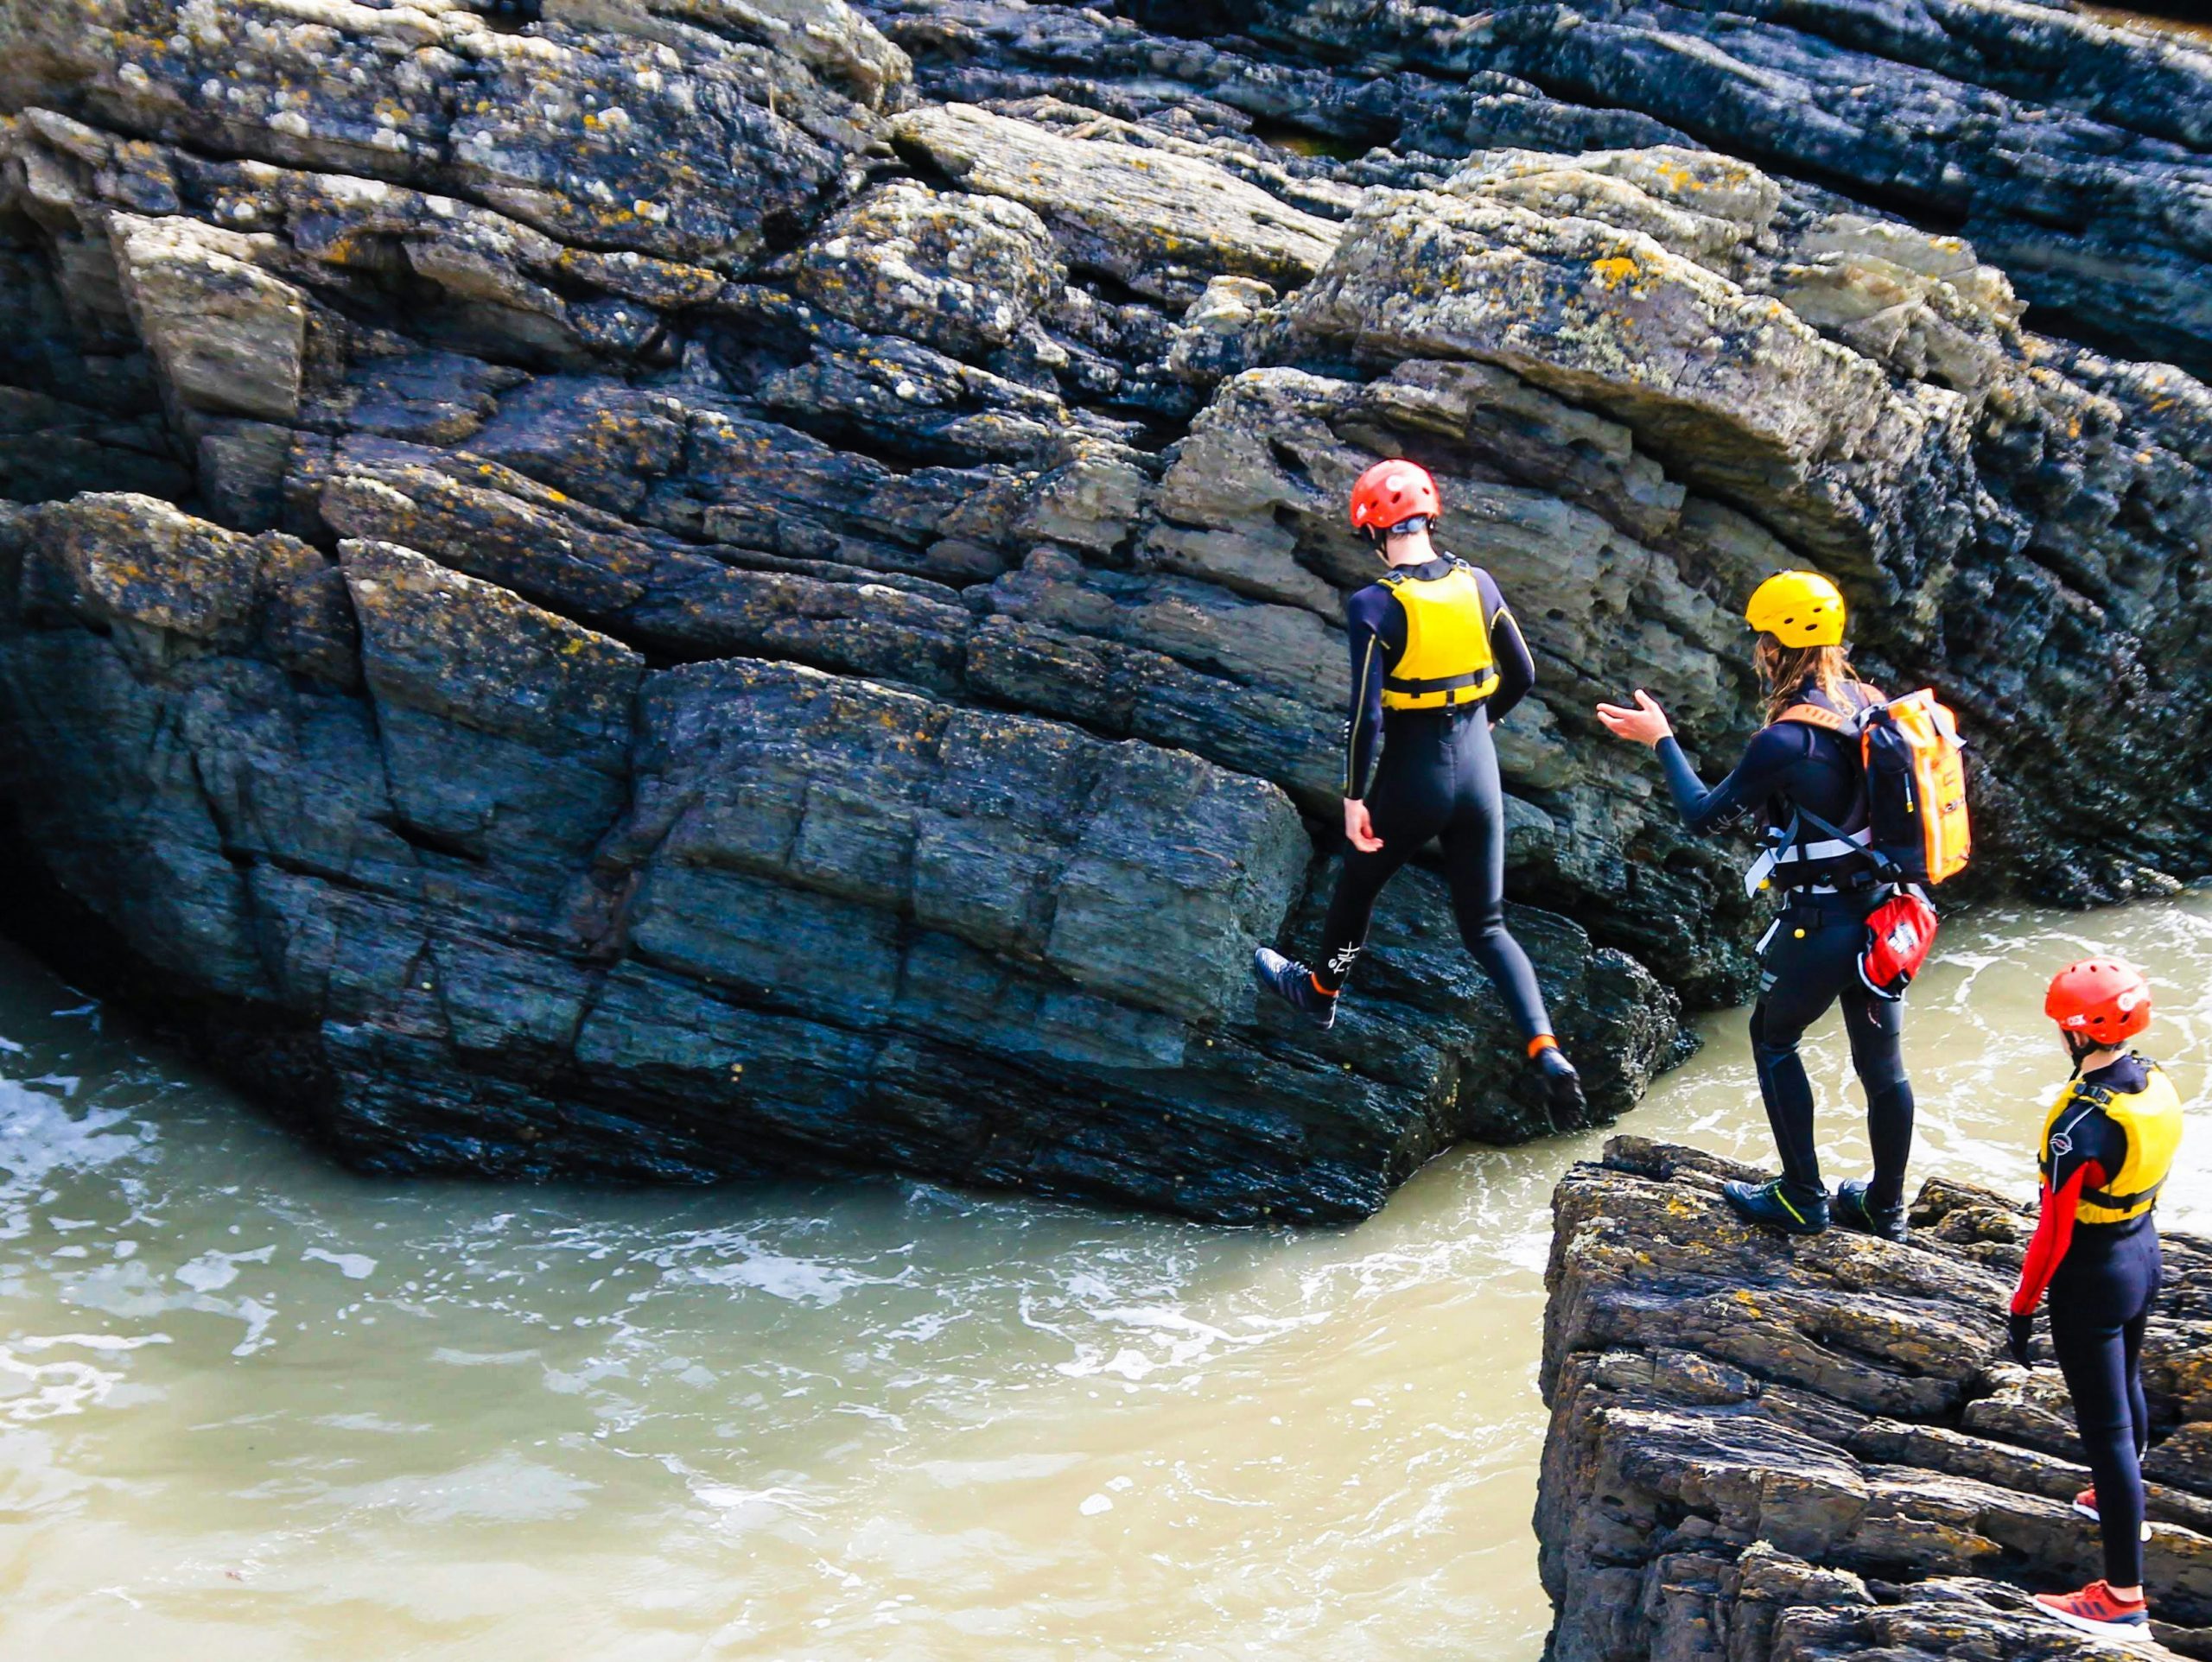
[[1439, 778], [1812, 961], [2100, 1300]]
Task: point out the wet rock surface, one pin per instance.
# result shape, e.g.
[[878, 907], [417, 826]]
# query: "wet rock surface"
[[1763, 1449], [690, 588]]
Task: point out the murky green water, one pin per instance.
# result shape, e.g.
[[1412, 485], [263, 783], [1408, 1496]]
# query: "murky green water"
[[253, 1408]]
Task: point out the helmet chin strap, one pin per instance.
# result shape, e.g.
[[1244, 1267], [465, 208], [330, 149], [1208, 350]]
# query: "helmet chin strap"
[[2081, 1047]]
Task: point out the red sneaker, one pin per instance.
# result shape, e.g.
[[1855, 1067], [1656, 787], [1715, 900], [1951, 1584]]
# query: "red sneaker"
[[2085, 1504], [2095, 1610]]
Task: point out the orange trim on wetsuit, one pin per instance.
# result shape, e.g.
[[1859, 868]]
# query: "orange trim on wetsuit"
[[2054, 1235]]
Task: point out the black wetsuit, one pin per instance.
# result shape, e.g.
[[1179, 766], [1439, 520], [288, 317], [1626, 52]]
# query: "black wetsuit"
[[1808, 959], [1438, 778], [2101, 1292]]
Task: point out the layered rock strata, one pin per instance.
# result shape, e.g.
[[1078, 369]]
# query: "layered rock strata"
[[695, 587], [1776, 1451]]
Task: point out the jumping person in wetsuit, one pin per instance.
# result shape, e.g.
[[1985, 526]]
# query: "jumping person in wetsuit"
[[1810, 957], [1436, 662], [2108, 1144]]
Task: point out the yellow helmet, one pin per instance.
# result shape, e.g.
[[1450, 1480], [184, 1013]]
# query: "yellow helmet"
[[1798, 608]]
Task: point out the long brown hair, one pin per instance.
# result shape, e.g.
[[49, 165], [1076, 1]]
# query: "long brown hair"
[[1785, 671]]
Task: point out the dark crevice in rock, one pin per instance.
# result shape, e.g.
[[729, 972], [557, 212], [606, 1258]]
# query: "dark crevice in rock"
[[443, 845]]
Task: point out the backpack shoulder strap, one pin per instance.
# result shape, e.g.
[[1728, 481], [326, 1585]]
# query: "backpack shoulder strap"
[[1813, 716]]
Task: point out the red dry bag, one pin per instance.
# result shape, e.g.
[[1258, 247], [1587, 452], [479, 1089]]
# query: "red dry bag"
[[1899, 935]]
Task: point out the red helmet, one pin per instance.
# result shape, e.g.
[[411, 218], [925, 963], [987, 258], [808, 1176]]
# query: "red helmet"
[[1391, 493], [2101, 1001]]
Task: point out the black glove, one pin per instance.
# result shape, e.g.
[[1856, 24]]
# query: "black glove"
[[2019, 1329]]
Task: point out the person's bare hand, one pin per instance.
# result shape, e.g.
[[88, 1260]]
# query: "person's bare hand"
[[1646, 723], [1359, 827]]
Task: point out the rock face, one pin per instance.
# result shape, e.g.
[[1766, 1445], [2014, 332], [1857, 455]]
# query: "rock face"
[[1819, 1448], [694, 588]]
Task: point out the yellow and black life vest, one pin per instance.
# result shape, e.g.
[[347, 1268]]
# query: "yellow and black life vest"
[[2151, 1120], [1447, 659]]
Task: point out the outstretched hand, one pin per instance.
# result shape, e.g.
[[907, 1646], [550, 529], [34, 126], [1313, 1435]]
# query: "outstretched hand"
[[1646, 723], [1359, 827]]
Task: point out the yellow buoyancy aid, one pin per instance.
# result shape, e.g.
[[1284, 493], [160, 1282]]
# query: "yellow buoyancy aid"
[[2151, 1118], [1447, 659]]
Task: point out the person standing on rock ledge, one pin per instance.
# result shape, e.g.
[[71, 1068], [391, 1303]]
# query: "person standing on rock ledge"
[[1437, 661], [1799, 771], [2108, 1144]]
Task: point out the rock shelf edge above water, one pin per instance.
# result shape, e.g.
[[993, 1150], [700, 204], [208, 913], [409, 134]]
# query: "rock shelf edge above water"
[[1770, 1450]]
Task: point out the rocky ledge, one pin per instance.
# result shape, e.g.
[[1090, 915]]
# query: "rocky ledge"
[[702, 587], [1775, 1451]]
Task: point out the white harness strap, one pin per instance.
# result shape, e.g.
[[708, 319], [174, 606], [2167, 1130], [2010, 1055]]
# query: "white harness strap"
[[1763, 868]]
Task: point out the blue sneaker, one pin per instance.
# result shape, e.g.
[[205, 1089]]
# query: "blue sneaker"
[[1772, 1206], [1854, 1211], [1293, 983]]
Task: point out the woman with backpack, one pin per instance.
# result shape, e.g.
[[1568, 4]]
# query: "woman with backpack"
[[1849, 931]]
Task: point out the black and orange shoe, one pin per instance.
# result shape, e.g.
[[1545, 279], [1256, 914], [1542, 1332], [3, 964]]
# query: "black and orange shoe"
[[1561, 1085], [1293, 983], [2095, 1610]]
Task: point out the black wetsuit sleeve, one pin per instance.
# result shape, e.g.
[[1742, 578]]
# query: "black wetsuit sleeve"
[[1516, 666], [1376, 626], [2083, 1134], [1767, 760]]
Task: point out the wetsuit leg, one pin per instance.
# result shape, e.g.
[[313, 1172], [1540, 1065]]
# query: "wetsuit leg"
[[1473, 842], [2101, 1291], [2131, 1340], [2139, 1406], [1877, 1030], [1408, 802], [1803, 975]]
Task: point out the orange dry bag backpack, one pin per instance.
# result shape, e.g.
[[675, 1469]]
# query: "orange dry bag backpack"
[[1915, 764], [1916, 785]]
